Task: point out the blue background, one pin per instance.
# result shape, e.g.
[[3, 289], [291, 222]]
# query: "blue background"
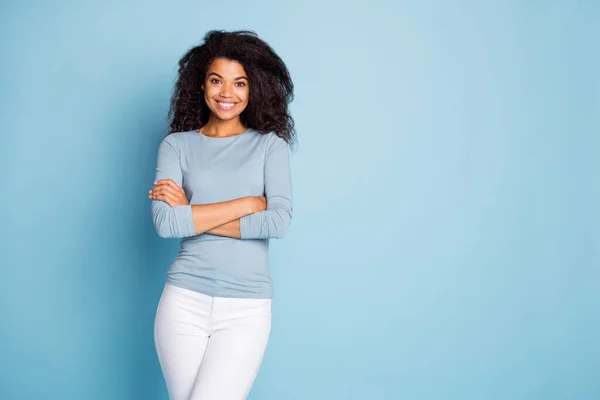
[[445, 240]]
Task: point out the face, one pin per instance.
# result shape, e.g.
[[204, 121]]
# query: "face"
[[226, 88]]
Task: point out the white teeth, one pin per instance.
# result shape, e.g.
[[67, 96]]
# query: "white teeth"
[[226, 104]]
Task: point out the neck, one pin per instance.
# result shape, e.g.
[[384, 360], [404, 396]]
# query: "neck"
[[221, 128]]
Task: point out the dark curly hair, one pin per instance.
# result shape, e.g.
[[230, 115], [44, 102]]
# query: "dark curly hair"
[[271, 87]]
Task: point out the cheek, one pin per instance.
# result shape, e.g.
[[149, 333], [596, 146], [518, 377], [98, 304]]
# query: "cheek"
[[242, 92], [245, 96], [211, 89], [246, 101]]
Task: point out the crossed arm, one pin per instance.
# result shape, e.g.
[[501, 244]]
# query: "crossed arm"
[[230, 229], [221, 219], [253, 217]]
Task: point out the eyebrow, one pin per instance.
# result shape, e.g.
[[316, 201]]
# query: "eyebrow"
[[239, 77]]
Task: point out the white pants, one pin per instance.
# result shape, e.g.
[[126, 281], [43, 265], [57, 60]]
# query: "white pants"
[[210, 348]]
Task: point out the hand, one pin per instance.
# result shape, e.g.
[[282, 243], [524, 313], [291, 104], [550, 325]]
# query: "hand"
[[169, 192], [256, 203]]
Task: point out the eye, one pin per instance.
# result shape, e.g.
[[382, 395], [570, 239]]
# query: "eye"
[[242, 83], [213, 80]]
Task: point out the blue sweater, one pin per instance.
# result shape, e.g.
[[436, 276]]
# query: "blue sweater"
[[213, 170]]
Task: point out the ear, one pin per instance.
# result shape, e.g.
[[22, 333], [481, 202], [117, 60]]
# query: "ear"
[[202, 87]]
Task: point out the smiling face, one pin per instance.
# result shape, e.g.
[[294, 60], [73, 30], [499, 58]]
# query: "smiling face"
[[226, 89]]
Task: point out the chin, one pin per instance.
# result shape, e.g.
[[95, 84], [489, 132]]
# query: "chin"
[[225, 116]]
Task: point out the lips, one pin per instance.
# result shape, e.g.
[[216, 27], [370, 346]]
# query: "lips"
[[225, 105]]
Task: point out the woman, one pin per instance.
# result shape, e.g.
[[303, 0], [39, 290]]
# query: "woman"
[[228, 153]]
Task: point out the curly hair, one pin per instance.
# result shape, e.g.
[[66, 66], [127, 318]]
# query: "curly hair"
[[271, 87]]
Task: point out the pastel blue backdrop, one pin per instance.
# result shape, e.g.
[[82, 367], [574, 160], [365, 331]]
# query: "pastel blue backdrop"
[[445, 236]]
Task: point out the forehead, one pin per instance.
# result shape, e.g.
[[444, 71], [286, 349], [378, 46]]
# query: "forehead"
[[226, 68]]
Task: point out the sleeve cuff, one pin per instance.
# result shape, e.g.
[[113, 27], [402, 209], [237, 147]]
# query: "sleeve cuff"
[[185, 220], [250, 226], [244, 227]]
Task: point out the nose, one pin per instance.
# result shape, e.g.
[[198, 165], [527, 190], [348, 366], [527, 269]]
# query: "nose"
[[226, 91]]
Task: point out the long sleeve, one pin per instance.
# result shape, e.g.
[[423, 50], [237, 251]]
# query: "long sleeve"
[[171, 222], [275, 220]]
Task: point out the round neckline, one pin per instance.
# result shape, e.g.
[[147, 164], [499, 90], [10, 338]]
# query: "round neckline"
[[221, 138]]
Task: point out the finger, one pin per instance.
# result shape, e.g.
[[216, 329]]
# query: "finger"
[[157, 196], [170, 200], [167, 193], [162, 182], [173, 187], [158, 192], [165, 189]]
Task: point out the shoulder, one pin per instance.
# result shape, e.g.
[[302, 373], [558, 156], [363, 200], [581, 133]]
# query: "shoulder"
[[174, 139], [273, 142]]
